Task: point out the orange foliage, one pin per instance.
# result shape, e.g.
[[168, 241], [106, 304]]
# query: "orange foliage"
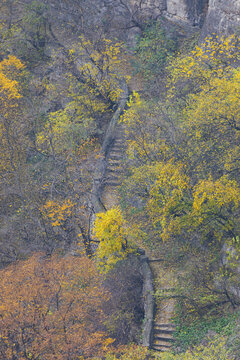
[[51, 309], [58, 212]]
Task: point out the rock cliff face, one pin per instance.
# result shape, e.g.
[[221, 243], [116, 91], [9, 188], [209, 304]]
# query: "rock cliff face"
[[220, 16], [191, 11], [223, 16], [125, 18]]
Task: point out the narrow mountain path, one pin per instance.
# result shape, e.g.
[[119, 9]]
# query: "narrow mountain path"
[[108, 176], [114, 171], [163, 328]]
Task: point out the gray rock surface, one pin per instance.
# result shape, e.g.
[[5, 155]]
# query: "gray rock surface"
[[220, 16], [192, 12], [223, 16]]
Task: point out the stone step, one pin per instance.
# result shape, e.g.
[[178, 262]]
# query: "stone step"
[[112, 184], [117, 151], [162, 343], [164, 331], [161, 347], [157, 260], [163, 338], [119, 131], [112, 178], [119, 146], [164, 326], [115, 156], [115, 161], [119, 141], [114, 170], [118, 154], [114, 166]]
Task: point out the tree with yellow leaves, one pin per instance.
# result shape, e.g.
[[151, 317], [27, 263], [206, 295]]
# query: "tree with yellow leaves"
[[110, 230], [205, 86], [102, 66], [11, 69], [90, 95]]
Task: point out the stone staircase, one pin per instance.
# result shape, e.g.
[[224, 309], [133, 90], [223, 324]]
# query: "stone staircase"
[[113, 175], [163, 327], [163, 336]]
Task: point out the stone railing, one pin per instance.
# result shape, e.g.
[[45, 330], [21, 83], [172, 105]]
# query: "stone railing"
[[148, 300]]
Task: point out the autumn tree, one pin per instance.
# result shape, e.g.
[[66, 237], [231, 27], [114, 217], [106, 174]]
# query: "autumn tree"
[[110, 230], [14, 141], [206, 115], [20, 200], [55, 311], [182, 183], [10, 93], [54, 150]]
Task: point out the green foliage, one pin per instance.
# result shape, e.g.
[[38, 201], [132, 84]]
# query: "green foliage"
[[131, 352], [182, 183], [34, 22], [28, 37], [191, 334], [234, 341], [153, 50], [215, 349], [102, 66]]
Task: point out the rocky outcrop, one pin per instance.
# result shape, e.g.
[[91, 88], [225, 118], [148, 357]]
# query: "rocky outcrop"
[[223, 16], [125, 19], [192, 12], [213, 16]]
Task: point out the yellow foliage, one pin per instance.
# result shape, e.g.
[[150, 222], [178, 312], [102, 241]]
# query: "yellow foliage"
[[11, 70], [212, 57], [9, 88], [145, 137], [215, 202], [130, 352], [215, 350], [101, 66], [58, 212], [166, 197], [110, 230]]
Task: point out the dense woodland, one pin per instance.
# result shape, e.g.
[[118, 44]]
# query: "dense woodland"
[[71, 287]]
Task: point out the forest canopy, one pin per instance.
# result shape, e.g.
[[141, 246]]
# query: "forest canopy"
[[119, 136]]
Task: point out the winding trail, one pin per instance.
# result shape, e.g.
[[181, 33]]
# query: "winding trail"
[[100, 177], [158, 328], [163, 326], [114, 174]]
